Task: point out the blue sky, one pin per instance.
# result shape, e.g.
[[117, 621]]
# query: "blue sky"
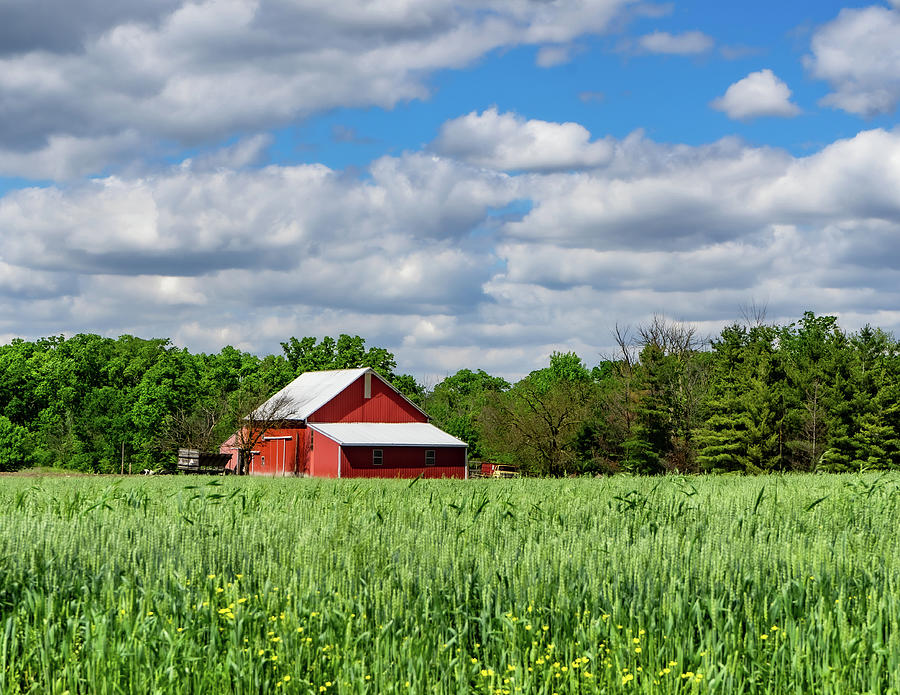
[[612, 88], [469, 184]]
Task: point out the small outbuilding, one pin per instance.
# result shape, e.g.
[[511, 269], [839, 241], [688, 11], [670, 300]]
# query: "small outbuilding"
[[348, 423]]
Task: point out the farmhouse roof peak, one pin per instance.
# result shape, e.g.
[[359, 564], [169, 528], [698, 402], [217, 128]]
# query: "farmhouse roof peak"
[[312, 390]]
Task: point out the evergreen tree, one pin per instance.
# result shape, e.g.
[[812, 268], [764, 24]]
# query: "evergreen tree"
[[745, 429], [650, 438], [721, 438]]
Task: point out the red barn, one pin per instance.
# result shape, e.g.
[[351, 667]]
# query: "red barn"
[[350, 423]]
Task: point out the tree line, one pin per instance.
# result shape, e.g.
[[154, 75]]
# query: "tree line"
[[806, 396], [89, 402]]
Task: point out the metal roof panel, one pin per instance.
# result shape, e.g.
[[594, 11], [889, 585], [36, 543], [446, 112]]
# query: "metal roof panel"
[[307, 393], [386, 434]]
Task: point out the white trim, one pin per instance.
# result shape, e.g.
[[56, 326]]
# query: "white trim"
[[267, 439], [339, 460]]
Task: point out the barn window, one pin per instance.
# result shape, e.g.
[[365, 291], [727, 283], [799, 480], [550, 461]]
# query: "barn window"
[[367, 385], [429, 457], [377, 457]]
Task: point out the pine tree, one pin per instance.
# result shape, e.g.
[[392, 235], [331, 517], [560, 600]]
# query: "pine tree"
[[720, 439], [650, 439], [745, 430]]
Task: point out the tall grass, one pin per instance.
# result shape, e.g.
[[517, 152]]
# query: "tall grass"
[[675, 585]]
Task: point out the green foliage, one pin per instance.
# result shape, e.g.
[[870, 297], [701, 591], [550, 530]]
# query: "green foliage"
[[565, 367], [650, 438], [669, 585], [16, 449], [347, 352], [82, 400], [537, 423], [806, 396], [456, 403], [409, 387]]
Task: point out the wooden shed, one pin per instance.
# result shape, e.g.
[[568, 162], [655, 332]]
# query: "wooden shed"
[[350, 423]]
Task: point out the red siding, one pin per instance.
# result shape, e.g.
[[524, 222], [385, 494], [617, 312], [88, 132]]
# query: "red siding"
[[307, 454], [385, 405], [276, 457], [228, 447], [324, 457], [401, 462]]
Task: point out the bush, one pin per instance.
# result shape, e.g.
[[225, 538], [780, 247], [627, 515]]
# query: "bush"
[[15, 446]]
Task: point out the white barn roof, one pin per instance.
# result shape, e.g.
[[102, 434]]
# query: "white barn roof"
[[310, 391], [386, 434]]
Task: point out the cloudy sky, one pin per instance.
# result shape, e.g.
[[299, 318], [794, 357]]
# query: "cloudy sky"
[[470, 184]]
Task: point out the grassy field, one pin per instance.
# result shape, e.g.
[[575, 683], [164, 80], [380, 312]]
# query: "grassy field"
[[674, 585]]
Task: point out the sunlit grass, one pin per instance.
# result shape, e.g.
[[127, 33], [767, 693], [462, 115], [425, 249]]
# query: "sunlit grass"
[[675, 585]]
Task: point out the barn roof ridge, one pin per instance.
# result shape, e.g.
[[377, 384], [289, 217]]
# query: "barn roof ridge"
[[311, 390]]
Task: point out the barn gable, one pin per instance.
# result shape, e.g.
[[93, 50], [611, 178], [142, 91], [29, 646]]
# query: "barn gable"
[[341, 395]]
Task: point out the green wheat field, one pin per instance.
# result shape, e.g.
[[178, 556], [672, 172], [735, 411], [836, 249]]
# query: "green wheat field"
[[779, 584]]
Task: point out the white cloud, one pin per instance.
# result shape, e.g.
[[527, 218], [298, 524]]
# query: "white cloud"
[[688, 43], [328, 231], [758, 94], [66, 157], [506, 141], [551, 56], [663, 198], [245, 152], [197, 72], [413, 255], [61, 26], [858, 54]]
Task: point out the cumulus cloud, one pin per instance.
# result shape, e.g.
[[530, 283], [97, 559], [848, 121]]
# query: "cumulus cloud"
[[61, 26], [507, 141], [678, 198], [374, 242], [67, 157], [414, 255], [687, 43], [196, 72], [858, 54], [758, 94]]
